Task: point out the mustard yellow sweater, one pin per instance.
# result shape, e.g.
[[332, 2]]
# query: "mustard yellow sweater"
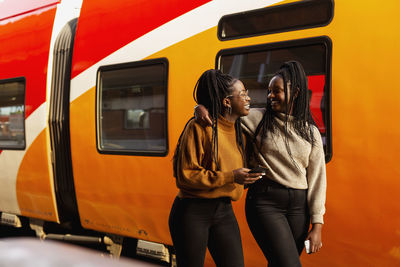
[[197, 174]]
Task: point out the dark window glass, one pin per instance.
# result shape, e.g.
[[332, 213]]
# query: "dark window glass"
[[132, 108], [292, 16], [256, 65], [12, 114]]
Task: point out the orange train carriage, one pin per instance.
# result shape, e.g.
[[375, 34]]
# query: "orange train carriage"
[[94, 94]]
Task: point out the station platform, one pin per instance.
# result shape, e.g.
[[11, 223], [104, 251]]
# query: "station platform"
[[25, 251]]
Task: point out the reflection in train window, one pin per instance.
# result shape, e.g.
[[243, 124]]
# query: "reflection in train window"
[[132, 108], [12, 113], [136, 119], [256, 65]]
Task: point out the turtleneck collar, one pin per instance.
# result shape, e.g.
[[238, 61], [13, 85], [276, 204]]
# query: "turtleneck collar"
[[282, 117], [226, 125]]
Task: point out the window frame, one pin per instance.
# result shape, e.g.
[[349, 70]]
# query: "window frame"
[[325, 40], [120, 66], [11, 80], [271, 9]]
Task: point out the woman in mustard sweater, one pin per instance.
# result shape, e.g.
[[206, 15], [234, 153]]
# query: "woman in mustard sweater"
[[208, 166]]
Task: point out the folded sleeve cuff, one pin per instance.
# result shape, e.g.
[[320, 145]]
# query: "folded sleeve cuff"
[[229, 177], [317, 219]]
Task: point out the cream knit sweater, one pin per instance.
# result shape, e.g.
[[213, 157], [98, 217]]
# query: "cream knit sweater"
[[272, 153]]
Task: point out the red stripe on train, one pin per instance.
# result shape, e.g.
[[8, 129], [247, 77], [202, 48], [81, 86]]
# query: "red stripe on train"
[[24, 52], [316, 84]]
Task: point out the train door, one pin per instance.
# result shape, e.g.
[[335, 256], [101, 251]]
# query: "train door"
[[59, 123]]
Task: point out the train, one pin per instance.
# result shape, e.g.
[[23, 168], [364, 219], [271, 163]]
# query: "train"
[[94, 95]]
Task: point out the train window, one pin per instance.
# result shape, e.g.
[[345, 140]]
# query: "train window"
[[280, 18], [12, 113], [132, 108], [255, 66]]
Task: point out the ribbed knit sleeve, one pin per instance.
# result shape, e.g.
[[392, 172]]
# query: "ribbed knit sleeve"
[[196, 166], [316, 178]]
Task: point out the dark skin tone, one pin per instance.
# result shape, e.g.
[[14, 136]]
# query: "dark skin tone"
[[239, 105], [276, 94]]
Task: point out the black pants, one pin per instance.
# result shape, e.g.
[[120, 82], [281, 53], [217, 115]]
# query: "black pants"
[[279, 221], [196, 224]]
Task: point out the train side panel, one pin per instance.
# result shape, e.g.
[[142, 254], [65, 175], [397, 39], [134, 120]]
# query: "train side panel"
[[27, 186], [356, 205], [362, 222], [129, 193]]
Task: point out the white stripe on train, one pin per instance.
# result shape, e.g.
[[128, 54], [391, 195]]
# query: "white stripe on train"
[[10, 161]]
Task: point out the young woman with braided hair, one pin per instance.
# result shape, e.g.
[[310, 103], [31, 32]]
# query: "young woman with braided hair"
[[208, 166], [287, 143]]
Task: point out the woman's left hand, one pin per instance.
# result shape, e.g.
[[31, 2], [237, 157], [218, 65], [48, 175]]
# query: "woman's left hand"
[[315, 237]]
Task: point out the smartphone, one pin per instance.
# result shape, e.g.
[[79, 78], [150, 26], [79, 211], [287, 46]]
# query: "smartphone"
[[307, 246], [258, 169]]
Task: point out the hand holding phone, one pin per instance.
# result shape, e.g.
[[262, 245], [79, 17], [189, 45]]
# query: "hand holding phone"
[[258, 169], [243, 176]]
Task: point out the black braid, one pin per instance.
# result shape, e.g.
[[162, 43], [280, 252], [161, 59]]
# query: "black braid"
[[239, 138], [291, 72], [175, 158], [210, 90]]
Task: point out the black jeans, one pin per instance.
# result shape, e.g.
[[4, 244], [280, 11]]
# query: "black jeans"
[[279, 221], [196, 224]]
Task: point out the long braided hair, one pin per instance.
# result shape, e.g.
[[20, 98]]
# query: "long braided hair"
[[210, 90], [292, 73]]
